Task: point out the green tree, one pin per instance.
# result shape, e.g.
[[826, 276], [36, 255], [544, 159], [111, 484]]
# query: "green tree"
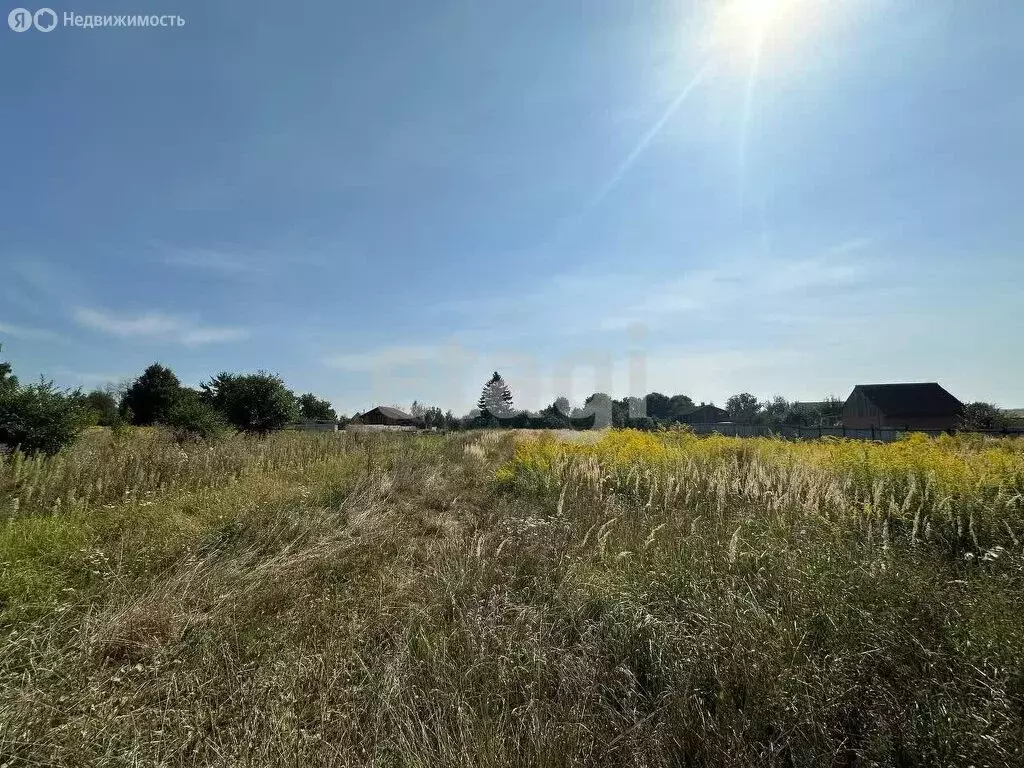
[[659, 406], [742, 408], [556, 415], [150, 397], [258, 403], [103, 407], [39, 418], [433, 417], [192, 417], [982, 416], [603, 409], [313, 408], [8, 381], [774, 413], [680, 406], [495, 398], [831, 411]]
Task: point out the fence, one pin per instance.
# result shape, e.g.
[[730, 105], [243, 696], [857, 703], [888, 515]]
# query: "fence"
[[379, 428], [314, 426], [882, 434]]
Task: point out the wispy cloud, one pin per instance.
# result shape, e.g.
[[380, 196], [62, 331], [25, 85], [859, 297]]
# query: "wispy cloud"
[[226, 263], [852, 245], [751, 285], [29, 334], [157, 326], [244, 262], [738, 289], [391, 357], [87, 379]]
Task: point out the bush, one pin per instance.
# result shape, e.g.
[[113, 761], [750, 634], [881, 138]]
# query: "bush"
[[258, 403], [40, 418], [982, 416], [103, 408], [191, 418], [312, 408]]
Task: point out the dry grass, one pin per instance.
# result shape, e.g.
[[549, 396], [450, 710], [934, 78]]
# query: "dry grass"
[[428, 601]]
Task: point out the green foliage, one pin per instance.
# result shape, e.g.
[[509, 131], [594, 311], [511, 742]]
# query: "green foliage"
[[679, 406], [774, 413], [496, 398], [258, 403], [451, 421], [193, 418], [103, 407], [8, 382], [981, 416], [659, 406], [742, 408], [40, 418], [433, 418], [556, 415], [151, 396], [738, 604], [312, 408]]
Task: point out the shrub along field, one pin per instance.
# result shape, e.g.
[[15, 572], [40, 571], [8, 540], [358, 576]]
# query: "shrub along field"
[[492, 599]]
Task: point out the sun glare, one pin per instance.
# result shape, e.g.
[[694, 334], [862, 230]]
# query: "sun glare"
[[742, 28]]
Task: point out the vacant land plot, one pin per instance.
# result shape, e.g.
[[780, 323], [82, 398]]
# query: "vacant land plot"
[[627, 599]]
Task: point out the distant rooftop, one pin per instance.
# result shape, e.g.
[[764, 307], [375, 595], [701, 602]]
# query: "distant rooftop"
[[916, 399], [391, 413]]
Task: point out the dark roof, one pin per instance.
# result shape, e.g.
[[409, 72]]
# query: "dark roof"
[[708, 407], [391, 413], [922, 399]]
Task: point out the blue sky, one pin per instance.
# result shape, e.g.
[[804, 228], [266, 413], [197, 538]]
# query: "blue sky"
[[386, 201]]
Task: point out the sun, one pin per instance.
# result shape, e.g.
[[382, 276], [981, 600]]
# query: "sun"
[[742, 28]]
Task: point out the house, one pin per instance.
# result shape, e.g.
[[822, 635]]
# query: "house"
[[705, 414], [901, 406], [386, 416]]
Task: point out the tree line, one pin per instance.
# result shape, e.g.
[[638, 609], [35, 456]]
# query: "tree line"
[[495, 408], [42, 418], [657, 410]]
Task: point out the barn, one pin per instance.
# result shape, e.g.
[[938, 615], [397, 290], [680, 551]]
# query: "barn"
[[386, 416], [902, 406], [706, 414]]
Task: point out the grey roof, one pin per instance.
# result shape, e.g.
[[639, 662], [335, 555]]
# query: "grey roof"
[[391, 413], [919, 399]]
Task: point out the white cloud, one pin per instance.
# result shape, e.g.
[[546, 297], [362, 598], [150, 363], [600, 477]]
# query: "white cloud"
[[852, 245], [211, 260], [389, 357], [29, 334], [748, 285], [156, 326], [738, 290]]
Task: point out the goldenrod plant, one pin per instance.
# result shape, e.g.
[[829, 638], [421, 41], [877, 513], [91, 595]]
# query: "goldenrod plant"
[[510, 598]]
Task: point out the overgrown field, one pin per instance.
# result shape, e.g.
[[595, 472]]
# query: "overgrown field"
[[525, 599]]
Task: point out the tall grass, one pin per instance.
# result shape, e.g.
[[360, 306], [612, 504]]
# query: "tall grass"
[[106, 468], [495, 601]]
